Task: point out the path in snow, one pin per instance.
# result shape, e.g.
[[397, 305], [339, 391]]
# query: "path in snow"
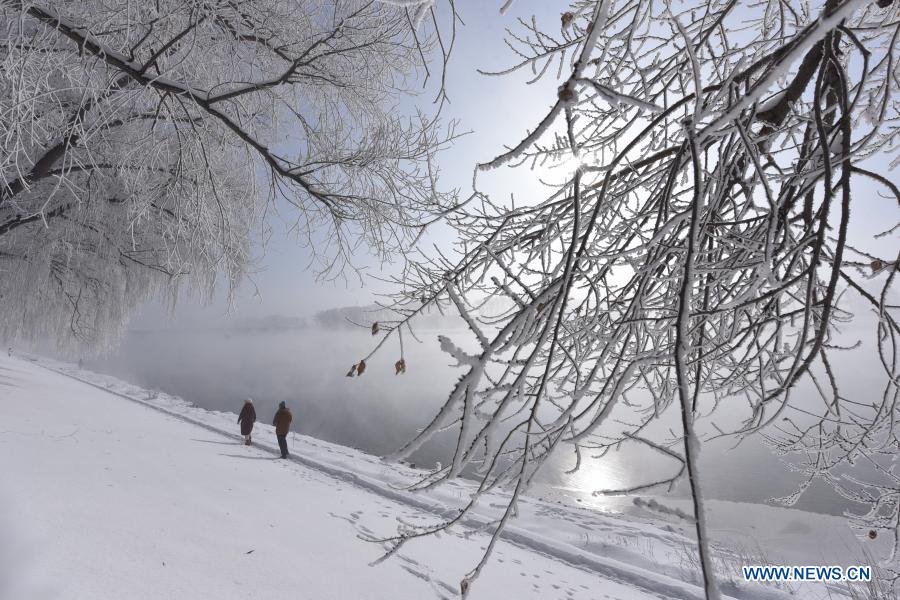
[[167, 503], [110, 499]]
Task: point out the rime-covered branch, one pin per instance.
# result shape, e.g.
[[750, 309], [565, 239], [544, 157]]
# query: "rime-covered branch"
[[700, 259], [142, 145]]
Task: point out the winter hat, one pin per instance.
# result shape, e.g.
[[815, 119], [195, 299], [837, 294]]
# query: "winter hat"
[[248, 401], [281, 404]]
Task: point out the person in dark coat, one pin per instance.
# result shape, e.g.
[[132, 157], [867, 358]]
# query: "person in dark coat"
[[282, 423], [247, 418]]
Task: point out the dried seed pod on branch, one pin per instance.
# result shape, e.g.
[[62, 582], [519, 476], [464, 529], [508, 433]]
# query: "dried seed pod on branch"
[[698, 258]]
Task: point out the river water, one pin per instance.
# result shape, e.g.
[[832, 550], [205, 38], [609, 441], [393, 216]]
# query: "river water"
[[377, 412]]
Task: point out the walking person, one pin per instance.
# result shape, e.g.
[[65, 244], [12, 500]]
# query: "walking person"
[[247, 418], [282, 423]]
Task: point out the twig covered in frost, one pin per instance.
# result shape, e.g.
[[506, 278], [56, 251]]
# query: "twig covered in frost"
[[698, 259], [142, 145]]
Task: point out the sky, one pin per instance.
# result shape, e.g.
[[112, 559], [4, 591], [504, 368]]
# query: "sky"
[[492, 110], [495, 111]]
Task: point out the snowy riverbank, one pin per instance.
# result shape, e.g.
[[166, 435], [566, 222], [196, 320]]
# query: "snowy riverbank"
[[114, 491]]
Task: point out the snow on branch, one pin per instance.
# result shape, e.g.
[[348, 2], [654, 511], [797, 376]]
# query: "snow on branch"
[[698, 263], [141, 148]]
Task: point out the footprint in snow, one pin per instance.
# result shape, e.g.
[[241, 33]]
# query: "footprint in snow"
[[435, 583], [343, 518]]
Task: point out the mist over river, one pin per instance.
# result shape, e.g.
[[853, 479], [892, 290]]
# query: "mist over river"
[[306, 368]]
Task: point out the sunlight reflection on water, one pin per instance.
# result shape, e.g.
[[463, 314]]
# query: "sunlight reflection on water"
[[380, 411]]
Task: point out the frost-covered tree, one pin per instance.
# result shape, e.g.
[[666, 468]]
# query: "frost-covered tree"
[[698, 261], [141, 141]]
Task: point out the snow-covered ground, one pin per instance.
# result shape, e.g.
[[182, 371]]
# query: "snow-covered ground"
[[112, 491]]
